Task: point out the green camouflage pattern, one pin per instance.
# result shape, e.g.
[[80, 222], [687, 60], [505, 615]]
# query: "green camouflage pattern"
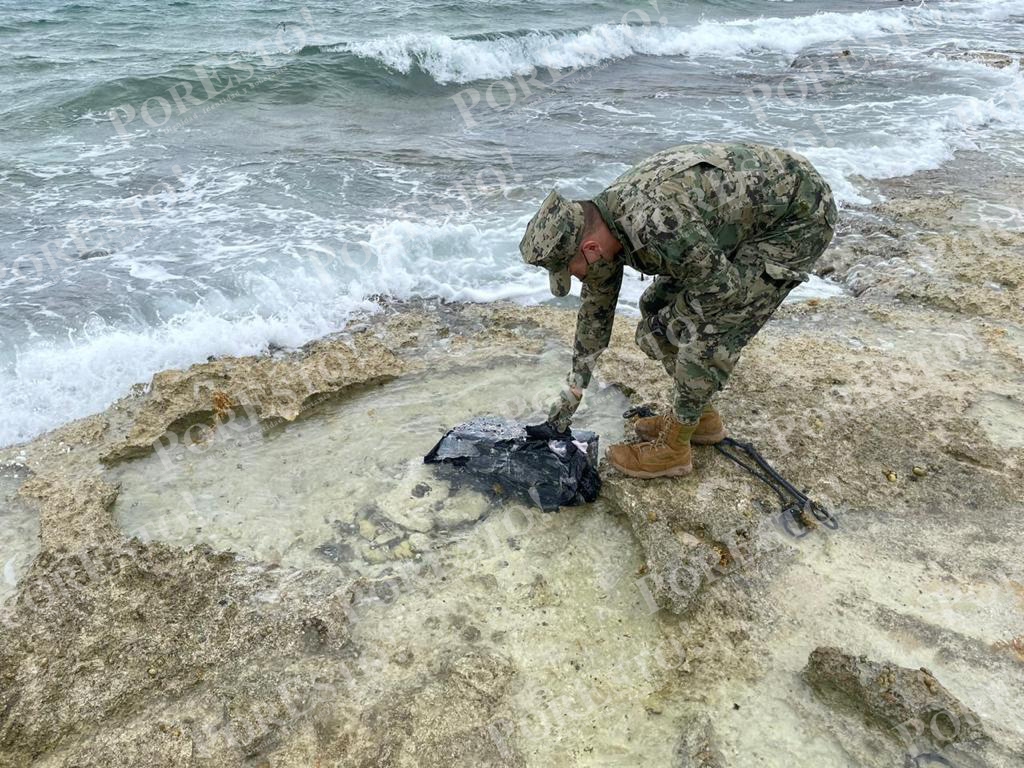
[[729, 230], [552, 238]]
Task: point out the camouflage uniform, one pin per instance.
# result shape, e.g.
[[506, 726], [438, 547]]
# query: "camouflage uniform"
[[729, 230]]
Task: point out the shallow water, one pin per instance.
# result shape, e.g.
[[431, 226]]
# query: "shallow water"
[[346, 484], [554, 592], [19, 532], [845, 590]]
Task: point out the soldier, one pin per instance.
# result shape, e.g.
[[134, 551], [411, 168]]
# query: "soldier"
[[728, 229]]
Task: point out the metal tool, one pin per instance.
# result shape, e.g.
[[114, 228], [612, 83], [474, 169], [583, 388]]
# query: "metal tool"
[[800, 514]]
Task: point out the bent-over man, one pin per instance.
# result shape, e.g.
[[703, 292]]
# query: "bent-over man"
[[728, 230]]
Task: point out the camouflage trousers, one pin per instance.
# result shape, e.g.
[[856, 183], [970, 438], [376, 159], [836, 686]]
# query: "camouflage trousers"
[[698, 337]]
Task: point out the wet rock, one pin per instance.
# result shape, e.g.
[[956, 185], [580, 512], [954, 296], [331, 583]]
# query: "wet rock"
[[73, 515], [408, 515], [908, 702], [962, 283], [182, 650], [94, 253], [540, 593], [336, 552], [451, 718], [696, 747], [403, 657], [460, 511], [240, 392], [995, 59], [692, 535], [420, 542]]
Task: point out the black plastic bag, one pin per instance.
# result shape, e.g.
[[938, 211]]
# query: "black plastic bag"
[[489, 451]]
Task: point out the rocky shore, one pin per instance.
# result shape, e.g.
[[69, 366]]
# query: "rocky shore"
[[299, 591]]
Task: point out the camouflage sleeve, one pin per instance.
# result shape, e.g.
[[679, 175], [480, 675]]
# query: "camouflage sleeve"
[[690, 251], [594, 321]]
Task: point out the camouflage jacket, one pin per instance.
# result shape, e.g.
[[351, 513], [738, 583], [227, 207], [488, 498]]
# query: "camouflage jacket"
[[680, 223]]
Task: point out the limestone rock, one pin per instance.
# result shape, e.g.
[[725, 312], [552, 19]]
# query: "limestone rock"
[[692, 534], [996, 59], [696, 747], [178, 654], [449, 719], [262, 389], [907, 701], [73, 515]]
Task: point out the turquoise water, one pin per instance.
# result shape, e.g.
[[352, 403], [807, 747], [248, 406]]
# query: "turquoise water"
[[184, 179]]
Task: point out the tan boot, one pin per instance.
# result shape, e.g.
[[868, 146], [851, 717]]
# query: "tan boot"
[[667, 456], [710, 428]]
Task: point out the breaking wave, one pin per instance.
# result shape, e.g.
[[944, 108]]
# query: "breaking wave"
[[467, 59], [416, 62]]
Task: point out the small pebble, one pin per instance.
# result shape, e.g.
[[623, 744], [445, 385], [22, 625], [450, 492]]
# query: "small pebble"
[[920, 471], [152, 672], [890, 476]]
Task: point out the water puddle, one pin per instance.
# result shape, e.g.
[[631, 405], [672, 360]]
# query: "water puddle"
[[346, 485], [556, 594], [346, 488], [19, 532]]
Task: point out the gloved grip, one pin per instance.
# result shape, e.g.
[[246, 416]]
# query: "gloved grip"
[[562, 410]]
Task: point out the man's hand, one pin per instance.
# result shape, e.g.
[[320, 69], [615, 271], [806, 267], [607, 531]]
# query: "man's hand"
[[562, 410]]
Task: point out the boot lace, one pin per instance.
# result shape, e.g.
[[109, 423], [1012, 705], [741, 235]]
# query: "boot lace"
[[662, 439]]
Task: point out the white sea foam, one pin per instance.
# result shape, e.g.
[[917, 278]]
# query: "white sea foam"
[[49, 382], [54, 381], [457, 60], [917, 143]]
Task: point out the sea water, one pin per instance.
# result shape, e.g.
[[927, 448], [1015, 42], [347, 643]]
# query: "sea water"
[[184, 179]]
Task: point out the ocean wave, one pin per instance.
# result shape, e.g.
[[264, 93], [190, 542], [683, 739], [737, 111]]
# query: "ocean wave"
[[51, 381], [48, 381], [924, 144], [466, 59], [419, 62]]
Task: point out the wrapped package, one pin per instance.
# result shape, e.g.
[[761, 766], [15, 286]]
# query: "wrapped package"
[[498, 455]]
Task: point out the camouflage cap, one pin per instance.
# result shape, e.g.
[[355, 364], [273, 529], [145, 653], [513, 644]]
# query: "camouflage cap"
[[552, 237]]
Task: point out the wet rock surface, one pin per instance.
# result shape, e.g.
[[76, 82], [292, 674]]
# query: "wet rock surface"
[[173, 654], [893, 697], [697, 748], [268, 390], [692, 535], [997, 59], [443, 718]]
